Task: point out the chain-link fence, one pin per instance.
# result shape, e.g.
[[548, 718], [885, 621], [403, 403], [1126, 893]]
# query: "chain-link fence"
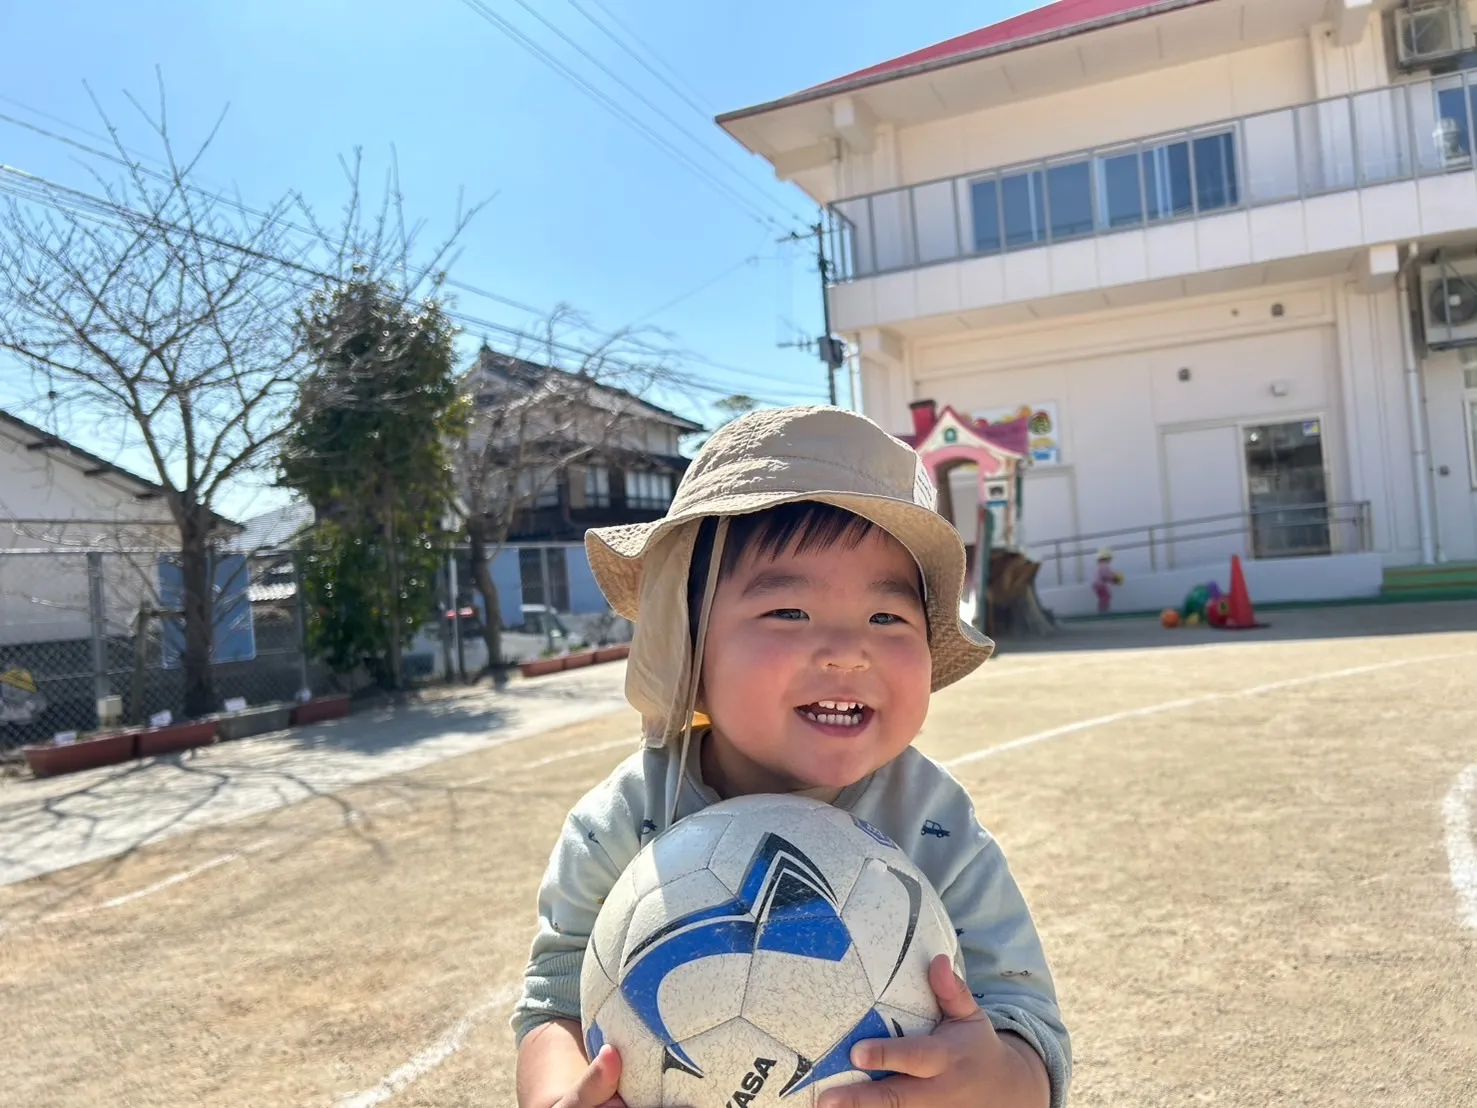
[[80, 626]]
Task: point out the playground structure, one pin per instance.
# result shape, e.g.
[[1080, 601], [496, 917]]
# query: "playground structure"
[[1000, 571]]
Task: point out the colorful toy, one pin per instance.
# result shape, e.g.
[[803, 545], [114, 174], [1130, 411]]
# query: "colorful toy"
[[1218, 611], [1169, 618], [1192, 620]]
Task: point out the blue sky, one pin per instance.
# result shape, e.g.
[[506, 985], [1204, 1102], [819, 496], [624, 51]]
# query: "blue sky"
[[583, 211]]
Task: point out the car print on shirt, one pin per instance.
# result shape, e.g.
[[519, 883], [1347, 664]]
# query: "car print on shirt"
[[647, 828], [937, 830]]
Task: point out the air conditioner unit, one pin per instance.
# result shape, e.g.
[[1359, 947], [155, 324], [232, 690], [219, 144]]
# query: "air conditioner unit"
[[1449, 303], [1431, 31]]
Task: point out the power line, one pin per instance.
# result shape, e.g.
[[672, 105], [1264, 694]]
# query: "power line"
[[81, 200], [74, 201], [749, 207], [639, 95], [690, 293], [704, 109]]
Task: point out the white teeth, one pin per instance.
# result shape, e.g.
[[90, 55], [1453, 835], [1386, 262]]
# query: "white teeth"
[[835, 719], [840, 705]]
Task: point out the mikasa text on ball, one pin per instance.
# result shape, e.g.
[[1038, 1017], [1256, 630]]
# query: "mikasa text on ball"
[[744, 951]]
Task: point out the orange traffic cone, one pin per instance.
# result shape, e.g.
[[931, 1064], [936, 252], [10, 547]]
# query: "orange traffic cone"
[[1241, 616]]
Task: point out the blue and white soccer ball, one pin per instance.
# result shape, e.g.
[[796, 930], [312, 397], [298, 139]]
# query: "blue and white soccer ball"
[[745, 950]]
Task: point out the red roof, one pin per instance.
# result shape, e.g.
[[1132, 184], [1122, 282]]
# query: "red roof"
[[1047, 21]]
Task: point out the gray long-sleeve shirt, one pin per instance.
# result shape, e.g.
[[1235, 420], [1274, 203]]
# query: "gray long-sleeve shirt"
[[912, 799]]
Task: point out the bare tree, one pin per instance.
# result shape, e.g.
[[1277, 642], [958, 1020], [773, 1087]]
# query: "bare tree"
[[167, 317], [532, 421]]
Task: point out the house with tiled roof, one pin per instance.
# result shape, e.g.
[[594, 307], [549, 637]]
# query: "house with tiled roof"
[[1229, 246]]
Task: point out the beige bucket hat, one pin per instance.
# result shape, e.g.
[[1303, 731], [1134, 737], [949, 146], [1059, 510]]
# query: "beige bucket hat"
[[760, 461]]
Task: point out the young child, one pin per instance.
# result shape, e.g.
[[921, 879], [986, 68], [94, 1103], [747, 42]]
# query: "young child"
[[1105, 579], [802, 594]]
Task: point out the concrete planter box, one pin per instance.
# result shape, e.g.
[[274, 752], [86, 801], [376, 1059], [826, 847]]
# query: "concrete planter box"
[[579, 659], [105, 750], [175, 738], [541, 666], [612, 653], [254, 721], [319, 709]]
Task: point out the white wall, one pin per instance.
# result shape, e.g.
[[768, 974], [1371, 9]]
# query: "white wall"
[[48, 484], [1333, 354], [44, 596]]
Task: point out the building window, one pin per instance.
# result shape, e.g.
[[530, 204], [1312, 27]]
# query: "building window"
[[597, 487], [1111, 191], [648, 490], [1069, 196], [984, 199], [538, 487], [545, 576], [1456, 105], [1120, 190], [1023, 196]]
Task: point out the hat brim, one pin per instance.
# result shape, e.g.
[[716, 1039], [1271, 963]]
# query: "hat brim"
[[617, 560]]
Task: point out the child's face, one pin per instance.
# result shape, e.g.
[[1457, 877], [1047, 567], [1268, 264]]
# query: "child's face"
[[789, 636]]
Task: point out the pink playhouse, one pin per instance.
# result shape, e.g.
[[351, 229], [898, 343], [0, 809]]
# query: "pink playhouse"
[[998, 453]]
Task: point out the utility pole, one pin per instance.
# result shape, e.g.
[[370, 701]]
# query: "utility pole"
[[832, 350]]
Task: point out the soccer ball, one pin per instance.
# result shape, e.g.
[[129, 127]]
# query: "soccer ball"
[[747, 948]]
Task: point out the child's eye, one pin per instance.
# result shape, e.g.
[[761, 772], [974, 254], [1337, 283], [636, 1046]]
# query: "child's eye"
[[786, 614], [887, 619]]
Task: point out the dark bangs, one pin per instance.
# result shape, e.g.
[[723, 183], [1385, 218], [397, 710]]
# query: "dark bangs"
[[802, 527]]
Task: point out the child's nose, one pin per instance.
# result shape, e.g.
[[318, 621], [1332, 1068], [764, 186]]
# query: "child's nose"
[[843, 653]]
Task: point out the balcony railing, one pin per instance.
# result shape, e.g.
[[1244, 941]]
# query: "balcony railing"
[[1396, 133]]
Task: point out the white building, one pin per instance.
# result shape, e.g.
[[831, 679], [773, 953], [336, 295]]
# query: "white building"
[[1228, 248], [58, 502]]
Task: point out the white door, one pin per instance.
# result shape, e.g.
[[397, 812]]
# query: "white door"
[[1206, 502]]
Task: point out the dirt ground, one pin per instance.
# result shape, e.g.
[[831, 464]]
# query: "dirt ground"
[[1237, 850]]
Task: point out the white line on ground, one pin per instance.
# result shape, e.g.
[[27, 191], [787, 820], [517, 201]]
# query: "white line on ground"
[[1461, 850], [157, 886], [1187, 702], [147, 890], [443, 1048]]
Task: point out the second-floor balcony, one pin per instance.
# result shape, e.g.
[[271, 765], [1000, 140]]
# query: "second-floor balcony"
[[1399, 133]]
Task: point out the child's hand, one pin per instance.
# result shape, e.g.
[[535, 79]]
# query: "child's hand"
[[597, 1088], [963, 1064]]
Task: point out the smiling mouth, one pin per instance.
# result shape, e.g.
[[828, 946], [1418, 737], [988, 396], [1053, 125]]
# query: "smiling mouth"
[[836, 713]]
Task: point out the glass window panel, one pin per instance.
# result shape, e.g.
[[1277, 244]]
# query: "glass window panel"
[[1327, 146], [933, 213], [984, 206], [1428, 131], [1070, 190], [1454, 141], [1216, 186], [1120, 195], [597, 487], [1167, 180], [1271, 156], [856, 232], [1023, 198], [1381, 121], [894, 230]]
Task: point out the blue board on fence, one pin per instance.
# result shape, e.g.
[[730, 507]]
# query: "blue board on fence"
[[234, 638]]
